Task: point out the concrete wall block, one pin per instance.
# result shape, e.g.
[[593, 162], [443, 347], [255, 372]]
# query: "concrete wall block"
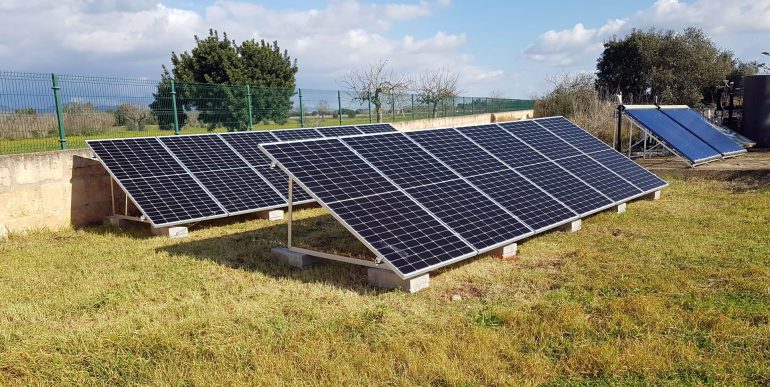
[[20, 204], [5, 178]]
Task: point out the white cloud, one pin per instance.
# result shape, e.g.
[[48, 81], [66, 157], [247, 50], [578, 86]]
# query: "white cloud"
[[134, 38], [725, 21]]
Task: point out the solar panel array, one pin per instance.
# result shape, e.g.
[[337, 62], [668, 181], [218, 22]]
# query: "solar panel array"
[[685, 131], [426, 199], [182, 179]]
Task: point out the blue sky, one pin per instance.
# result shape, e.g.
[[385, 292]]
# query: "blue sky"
[[498, 47]]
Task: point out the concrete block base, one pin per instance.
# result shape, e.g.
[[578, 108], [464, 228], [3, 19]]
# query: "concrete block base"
[[621, 208], [171, 232], [572, 226], [116, 221], [506, 252], [291, 258], [273, 215], [652, 196], [387, 279]]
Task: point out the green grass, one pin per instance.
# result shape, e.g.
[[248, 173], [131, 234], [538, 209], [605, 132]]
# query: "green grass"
[[672, 292]]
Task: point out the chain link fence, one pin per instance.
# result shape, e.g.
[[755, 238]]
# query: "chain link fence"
[[44, 112]]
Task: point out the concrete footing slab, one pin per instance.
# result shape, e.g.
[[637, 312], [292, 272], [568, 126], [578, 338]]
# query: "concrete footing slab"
[[387, 279], [652, 196], [292, 258], [572, 226], [116, 221], [171, 232], [506, 252], [621, 208], [273, 215]]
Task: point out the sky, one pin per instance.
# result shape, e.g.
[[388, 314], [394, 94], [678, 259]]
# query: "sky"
[[503, 48]]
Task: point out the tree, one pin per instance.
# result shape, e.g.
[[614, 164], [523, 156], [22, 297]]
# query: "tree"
[[205, 79], [435, 86], [683, 67], [322, 108], [373, 83], [134, 117], [161, 107]]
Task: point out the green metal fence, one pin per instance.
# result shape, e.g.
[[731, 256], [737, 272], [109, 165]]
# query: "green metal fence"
[[43, 112]]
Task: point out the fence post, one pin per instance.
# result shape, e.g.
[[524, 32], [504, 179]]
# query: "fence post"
[[369, 99], [59, 113], [339, 106], [464, 106], [248, 99], [412, 107], [173, 107], [301, 111]]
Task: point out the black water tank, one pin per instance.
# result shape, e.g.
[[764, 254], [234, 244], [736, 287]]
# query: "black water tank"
[[756, 109]]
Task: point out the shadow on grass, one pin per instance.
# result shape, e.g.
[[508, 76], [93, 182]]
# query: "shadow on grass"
[[250, 251]]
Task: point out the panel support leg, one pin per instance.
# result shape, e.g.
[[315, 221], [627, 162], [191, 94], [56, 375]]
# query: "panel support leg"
[[386, 279], [506, 252], [572, 226], [652, 195], [289, 211]]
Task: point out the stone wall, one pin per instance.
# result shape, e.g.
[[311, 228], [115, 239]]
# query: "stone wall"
[[52, 190], [475, 119]]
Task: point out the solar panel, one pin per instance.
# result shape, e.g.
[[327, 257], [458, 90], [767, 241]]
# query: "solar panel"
[[531, 204], [599, 177], [697, 125], [376, 128], [136, 157], [542, 140], [224, 173], [402, 232], [568, 189], [673, 134], [296, 134], [477, 219], [247, 145], [400, 159], [240, 190], [203, 152], [329, 169], [471, 189], [336, 131], [502, 145], [155, 181], [172, 199], [630, 170], [572, 134], [459, 153]]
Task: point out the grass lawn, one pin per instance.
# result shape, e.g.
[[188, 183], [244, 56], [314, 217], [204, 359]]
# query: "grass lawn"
[[672, 292]]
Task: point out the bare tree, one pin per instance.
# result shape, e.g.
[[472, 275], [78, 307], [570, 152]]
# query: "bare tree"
[[435, 86], [374, 82], [322, 107]]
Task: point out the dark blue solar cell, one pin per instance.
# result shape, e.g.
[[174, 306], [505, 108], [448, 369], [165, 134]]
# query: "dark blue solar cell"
[[502, 145], [673, 134], [459, 153], [136, 157], [401, 231], [531, 204], [630, 170], [400, 159], [572, 134], [329, 169], [697, 125], [544, 141], [336, 131], [599, 177], [566, 188], [296, 134], [376, 128], [479, 220], [174, 199]]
